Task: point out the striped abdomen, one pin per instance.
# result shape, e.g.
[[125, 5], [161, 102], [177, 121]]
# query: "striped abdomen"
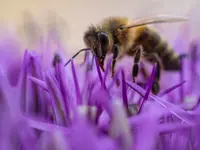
[[152, 43]]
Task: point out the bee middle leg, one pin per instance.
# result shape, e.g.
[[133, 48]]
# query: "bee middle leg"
[[135, 68], [115, 54]]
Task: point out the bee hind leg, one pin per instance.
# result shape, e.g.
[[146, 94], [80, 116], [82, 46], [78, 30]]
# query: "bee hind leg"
[[153, 57]]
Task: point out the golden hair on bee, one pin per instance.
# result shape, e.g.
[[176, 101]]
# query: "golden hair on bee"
[[123, 36]]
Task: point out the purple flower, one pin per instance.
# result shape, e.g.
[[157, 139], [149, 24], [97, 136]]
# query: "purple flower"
[[78, 107]]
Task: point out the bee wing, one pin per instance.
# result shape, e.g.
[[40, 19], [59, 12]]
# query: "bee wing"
[[155, 20]]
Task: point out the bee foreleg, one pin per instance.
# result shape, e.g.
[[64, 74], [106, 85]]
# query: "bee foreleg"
[[115, 54], [135, 68], [153, 57]]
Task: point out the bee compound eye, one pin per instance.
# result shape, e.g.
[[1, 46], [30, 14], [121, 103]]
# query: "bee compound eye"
[[121, 27]]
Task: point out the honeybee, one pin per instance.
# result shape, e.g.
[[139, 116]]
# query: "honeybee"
[[122, 36]]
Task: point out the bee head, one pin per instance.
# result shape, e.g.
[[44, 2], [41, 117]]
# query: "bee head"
[[98, 42]]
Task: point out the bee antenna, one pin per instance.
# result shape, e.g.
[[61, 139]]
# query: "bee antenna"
[[82, 50]]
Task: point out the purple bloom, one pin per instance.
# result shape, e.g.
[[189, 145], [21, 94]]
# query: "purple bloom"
[[78, 107]]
